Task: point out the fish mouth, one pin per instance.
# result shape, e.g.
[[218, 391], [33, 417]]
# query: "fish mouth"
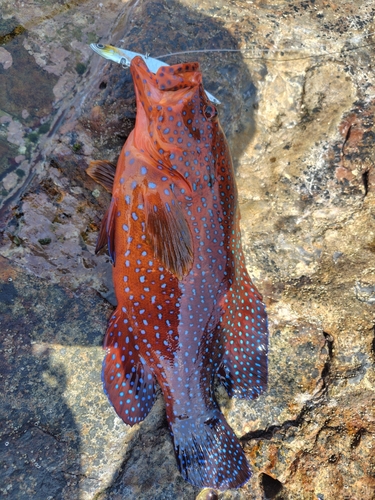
[[125, 57], [167, 78]]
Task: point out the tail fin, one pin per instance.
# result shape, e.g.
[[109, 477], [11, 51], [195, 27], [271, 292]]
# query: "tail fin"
[[208, 453]]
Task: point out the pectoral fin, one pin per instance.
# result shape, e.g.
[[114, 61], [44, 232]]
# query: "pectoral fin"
[[168, 231]]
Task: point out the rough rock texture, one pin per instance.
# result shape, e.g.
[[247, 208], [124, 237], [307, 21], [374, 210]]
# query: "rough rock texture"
[[298, 109]]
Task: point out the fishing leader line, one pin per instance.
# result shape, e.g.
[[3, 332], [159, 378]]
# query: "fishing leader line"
[[258, 50]]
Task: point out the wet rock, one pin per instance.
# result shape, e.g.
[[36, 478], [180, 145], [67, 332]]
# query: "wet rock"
[[298, 110]]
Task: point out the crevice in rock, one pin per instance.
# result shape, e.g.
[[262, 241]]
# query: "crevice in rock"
[[365, 180], [327, 365], [373, 345], [347, 135], [80, 476], [315, 400], [357, 438], [271, 487], [334, 429], [269, 432], [44, 431]]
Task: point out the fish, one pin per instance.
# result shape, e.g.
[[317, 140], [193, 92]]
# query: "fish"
[[188, 312]]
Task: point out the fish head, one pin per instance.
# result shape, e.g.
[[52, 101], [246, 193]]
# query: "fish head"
[[171, 104]]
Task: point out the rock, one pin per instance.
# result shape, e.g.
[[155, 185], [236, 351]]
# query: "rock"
[[5, 58], [298, 110]]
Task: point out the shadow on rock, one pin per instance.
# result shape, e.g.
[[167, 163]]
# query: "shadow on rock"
[[162, 28], [39, 443], [149, 469]]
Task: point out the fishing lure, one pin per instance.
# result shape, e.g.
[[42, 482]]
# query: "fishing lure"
[[187, 310]]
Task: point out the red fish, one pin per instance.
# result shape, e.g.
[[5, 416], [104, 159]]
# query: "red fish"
[[187, 309]]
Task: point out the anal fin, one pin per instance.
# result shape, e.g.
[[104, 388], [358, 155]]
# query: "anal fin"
[[127, 380]]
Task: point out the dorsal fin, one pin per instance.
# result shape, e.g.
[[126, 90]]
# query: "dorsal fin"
[[243, 327], [103, 172]]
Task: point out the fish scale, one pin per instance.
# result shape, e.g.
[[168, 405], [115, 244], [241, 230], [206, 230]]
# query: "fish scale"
[[187, 309]]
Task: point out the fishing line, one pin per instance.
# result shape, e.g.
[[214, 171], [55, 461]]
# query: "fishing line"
[[281, 51]]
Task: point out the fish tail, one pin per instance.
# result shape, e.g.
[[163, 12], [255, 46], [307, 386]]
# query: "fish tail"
[[208, 452]]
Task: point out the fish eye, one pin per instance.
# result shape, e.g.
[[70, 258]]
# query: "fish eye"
[[209, 111], [100, 46]]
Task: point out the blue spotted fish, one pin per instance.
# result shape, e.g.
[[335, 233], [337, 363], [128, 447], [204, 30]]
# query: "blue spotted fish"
[[187, 310]]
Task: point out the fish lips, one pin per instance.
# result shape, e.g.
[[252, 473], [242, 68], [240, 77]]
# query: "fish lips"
[[167, 78]]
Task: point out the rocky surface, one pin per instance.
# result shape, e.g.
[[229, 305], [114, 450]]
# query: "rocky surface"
[[298, 109]]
